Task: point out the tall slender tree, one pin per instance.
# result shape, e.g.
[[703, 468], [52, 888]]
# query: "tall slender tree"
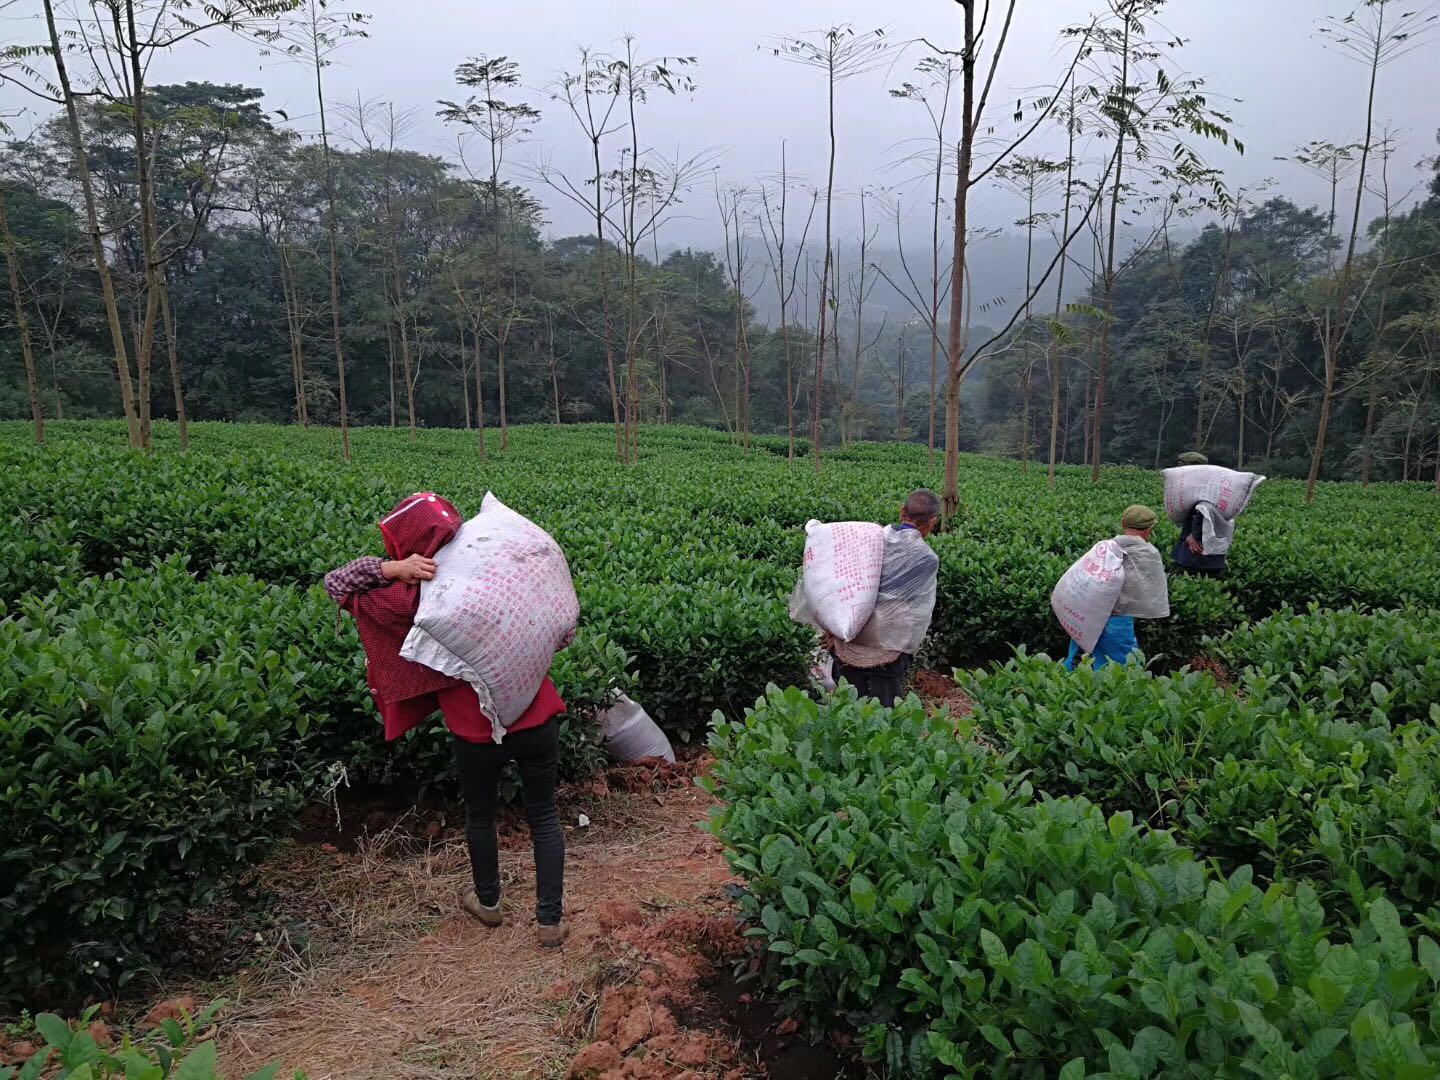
[[784, 272], [592, 94], [92, 219], [1376, 34], [501, 124], [318, 30], [839, 54], [22, 323], [938, 73]]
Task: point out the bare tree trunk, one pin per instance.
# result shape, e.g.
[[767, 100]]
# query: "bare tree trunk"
[[935, 292], [464, 378], [605, 304], [333, 229], [390, 367], [789, 388], [955, 348], [1367, 456], [480, 391], [407, 371], [172, 342], [1240, 440], [22, 325], [1025, 416], [1410, 428], [1056, 351], [1337, 325], [815, 432], [554, 367], [55, 381], [500, 384], [1098, 419], [502, 331], [97, 243], [291, 296], [1201, 430], [149, 253]]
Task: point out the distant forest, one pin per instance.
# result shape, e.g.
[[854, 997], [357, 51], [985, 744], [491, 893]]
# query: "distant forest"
[[178, 252]]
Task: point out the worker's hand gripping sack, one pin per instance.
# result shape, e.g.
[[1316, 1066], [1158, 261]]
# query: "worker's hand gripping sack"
[[1222, 495], [500, 607], [840, 577]]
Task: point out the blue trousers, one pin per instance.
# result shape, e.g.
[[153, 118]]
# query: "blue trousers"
[[1117, 642]]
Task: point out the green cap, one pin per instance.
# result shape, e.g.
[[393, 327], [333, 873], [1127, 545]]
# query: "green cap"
[[1138, 517], [1193, 457]]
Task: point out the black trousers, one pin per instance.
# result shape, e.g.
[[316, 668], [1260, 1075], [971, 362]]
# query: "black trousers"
[[537, 754], [882, 683], [1200, 571]]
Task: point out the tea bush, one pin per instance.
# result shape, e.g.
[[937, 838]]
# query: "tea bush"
[[1348, 660], [135, 774], [695, 514], [1294, 787], [897, 881], [174, 1050], [199, 574], [160, 730]]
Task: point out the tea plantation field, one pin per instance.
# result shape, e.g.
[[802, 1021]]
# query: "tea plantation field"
[[1154, 874]]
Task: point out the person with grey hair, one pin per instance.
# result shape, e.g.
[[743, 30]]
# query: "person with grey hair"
[[878, 660]]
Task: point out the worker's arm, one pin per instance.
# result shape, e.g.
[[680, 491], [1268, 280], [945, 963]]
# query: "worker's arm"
[[1195, 534], [370, 572]]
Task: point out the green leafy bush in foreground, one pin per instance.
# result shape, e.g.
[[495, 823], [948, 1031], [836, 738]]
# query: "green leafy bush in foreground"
[[1302, 792], [159, 731], [170, 1054], [1348, 660], [896, 880], [134, 774]]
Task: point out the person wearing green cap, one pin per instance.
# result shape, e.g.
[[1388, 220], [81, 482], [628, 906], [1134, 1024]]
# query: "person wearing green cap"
[[1144, 592], [1189, 553]]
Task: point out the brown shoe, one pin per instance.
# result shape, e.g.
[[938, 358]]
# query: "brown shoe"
[[552, 937], [490, 916]]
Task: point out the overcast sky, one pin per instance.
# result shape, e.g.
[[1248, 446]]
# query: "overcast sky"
[[747, 101]]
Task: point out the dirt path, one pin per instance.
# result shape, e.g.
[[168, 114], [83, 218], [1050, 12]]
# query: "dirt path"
[[404, 984], [392, 981]]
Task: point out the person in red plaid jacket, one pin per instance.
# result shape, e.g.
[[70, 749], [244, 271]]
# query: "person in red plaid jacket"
[[382, 595]]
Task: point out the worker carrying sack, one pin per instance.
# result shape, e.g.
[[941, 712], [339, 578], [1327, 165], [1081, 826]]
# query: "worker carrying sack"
[[840, 578], [499, 608], [1221, 495], [1120, 576], [905, 598], [629, 734]]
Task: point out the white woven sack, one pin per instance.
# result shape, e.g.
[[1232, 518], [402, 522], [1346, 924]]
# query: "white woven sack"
[[1084, 597], [1225, 489], [841, 575], [499, 608], [630, 734]]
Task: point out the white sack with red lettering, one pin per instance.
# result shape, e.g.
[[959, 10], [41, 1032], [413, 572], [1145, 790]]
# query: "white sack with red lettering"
[[1084, 597], [499, 608], [1226, 490], [840, 579]]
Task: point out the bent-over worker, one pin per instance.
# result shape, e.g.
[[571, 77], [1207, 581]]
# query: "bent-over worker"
[[1144, 593], [383, 595], [903, 607], [1189, 553]]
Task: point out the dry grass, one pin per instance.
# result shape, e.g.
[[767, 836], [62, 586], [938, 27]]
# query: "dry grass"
[[402, 984]]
